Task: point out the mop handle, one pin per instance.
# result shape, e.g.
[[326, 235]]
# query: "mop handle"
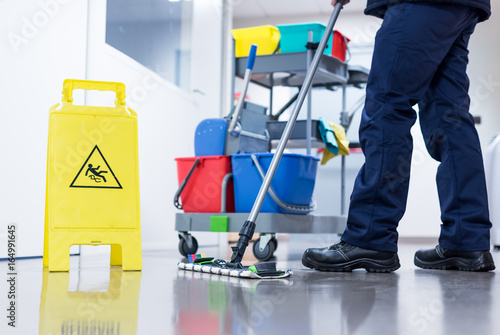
[[290, 124], [246, 81]]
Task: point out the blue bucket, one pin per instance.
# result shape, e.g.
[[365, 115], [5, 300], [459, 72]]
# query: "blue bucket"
[[293, 181]]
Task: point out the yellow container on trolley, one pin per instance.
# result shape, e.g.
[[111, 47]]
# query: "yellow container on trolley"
[[267, 39], [92, 193]]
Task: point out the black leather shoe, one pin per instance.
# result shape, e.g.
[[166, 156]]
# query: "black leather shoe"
[[347, 257], [443, 259]]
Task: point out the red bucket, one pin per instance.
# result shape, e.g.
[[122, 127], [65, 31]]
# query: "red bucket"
[[339, 45], [203, 190]]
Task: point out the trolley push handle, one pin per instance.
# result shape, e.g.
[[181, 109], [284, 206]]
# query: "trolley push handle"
[[73, 84]]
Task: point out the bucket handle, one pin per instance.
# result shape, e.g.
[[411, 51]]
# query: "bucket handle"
[[177, 204], [348, 50], [73, 84], [279, 202]]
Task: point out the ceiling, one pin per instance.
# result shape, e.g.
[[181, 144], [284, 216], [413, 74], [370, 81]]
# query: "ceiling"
[[244, 9]]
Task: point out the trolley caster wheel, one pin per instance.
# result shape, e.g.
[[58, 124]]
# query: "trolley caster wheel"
[[275, 241], [265, 254], [185, 249]]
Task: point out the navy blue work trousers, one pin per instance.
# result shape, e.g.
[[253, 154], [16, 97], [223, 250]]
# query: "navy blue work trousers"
[[420, 57]]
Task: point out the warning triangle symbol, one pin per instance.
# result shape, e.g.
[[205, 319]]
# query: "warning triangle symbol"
[[96, 173]]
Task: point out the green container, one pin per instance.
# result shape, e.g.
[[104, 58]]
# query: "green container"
[[219, 223], [294, 37]]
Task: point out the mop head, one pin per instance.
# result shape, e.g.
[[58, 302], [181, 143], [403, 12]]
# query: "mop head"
[[264, 270]]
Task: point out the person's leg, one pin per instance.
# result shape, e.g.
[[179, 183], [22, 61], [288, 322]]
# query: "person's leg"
[[451, 138], [410, 46]]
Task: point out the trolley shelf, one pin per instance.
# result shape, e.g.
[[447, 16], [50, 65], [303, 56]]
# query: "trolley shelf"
[[289, 69], [298, 136], [268, 223], [358, 75]]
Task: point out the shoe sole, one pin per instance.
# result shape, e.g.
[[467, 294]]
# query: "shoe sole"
[[369, 264], [483, 263]]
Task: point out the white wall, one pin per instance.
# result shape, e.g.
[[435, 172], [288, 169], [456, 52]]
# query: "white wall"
[[422, 217], [32, 77], [167, 115], [40, 46]]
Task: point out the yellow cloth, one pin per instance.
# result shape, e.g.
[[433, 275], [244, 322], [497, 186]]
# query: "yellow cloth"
[[342, 143]]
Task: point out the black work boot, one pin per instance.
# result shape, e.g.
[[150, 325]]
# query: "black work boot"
[[346, 257], [443, 259]]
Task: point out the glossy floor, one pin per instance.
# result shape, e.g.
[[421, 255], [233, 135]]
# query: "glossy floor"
[[95, 299]]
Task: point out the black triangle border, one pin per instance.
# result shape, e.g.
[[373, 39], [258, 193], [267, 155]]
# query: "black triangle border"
[[85, 163]]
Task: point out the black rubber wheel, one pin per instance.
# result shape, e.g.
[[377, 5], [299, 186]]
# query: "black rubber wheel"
[[265, 254], [185, 250], [275, 241]]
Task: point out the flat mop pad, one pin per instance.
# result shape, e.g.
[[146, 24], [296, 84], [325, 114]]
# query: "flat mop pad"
[[265, 270]]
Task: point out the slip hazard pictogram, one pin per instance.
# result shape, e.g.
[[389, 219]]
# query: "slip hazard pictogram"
[[96, 173]]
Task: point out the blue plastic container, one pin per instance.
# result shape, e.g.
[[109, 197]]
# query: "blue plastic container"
[[294, 37], [293, 181], [210, 137]]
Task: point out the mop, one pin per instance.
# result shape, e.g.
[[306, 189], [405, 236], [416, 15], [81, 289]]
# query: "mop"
[[263, 270]]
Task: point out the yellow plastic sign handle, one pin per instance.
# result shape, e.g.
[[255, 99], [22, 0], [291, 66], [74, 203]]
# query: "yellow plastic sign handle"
[[73, 84]]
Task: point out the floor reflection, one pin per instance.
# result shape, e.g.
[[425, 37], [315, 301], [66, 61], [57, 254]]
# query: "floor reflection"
[[465, 302], [353, 303], [212, 304], [307, 303], [113, 310]]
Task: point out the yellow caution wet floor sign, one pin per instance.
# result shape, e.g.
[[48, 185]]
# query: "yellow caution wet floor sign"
[[95, 176], [92, 179]]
